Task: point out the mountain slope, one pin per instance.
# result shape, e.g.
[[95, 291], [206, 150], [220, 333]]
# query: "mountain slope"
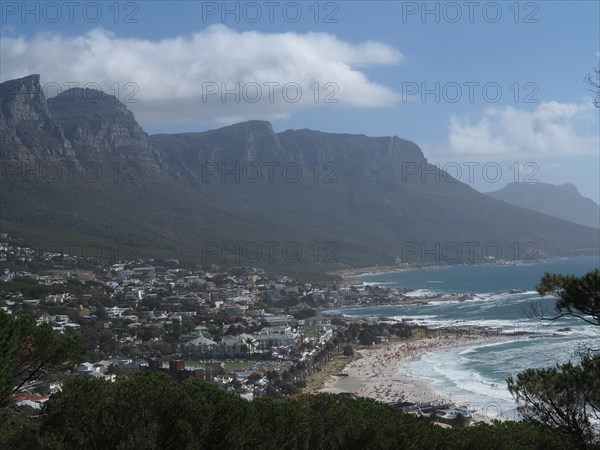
[[298, 201], [564, 202]]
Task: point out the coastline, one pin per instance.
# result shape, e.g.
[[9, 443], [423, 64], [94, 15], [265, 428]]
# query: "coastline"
[[408, 267], [373, 270], [383, 374]]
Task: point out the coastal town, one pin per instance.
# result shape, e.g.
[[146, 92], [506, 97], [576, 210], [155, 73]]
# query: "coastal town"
[[236, 327]]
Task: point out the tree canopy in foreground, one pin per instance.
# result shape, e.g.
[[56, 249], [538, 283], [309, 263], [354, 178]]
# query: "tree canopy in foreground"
[[29, 352], [153, 411], [566, 398]]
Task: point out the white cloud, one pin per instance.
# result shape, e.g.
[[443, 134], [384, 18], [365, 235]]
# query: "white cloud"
[[551, 128], [173, 73]]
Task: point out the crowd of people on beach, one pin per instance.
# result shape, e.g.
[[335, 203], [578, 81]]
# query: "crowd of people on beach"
[[378, 370], [382, 373]]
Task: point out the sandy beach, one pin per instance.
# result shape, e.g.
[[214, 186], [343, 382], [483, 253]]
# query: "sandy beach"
[[382, 373]]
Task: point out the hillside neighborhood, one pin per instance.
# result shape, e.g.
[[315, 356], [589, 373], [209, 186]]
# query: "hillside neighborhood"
[[237, 327]]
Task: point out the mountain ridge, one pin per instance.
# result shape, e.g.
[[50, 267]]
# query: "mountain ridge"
[[561, 201], [342, 200]]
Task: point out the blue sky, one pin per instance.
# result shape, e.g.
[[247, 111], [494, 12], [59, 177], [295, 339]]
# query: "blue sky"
[[506, 95]]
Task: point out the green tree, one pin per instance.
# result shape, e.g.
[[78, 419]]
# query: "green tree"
[[348, 351], [366, 337], [566, 398], [149, 410], [353, 331], [29, 352], [577, 296], [304, 313]]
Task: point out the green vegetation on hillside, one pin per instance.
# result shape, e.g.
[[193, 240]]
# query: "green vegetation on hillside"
[[153, 411]]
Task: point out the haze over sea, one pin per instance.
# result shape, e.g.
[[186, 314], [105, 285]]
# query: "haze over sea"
[[476, 375]]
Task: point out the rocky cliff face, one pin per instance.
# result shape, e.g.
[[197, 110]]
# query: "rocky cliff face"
[[27, 129], [86, 126], [77, 127], [186, 154], [255, 142], [101, 129]]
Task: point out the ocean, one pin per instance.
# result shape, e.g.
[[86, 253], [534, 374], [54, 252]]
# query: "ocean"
[[476, 375]]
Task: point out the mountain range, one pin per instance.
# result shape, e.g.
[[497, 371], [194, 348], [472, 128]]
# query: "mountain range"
[[79, 173], [564, 201]]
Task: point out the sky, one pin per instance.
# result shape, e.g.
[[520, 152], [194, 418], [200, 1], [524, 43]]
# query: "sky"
[[492, 92]]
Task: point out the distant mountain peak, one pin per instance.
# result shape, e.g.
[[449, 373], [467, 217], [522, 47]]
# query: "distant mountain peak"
[[563, 201], [570, 187], [101, 128], [22, 93], [78, 101], [29, 80], [88, 95], [26, 124], [250, 126]]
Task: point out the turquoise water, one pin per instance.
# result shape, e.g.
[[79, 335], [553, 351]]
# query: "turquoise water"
[[482, 278], [476, 375]]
